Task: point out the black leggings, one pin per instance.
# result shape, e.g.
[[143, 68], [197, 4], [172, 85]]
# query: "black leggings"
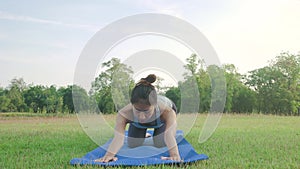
[[136, 136]]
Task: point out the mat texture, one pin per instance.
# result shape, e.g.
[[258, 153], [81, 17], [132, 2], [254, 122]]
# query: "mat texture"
[[143, 155]]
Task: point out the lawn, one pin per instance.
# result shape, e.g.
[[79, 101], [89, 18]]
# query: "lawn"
[[240, 141]]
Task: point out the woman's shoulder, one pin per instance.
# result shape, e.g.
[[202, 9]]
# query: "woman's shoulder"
[[126, 112], [163, 100], [165, 105]]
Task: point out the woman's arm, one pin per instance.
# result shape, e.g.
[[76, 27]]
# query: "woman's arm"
[[117, 141], [169, 136]]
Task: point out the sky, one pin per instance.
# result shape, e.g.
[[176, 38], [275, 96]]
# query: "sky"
[[41, 41]]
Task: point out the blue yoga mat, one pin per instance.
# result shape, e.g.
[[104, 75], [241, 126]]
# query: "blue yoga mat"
[[143, 155]]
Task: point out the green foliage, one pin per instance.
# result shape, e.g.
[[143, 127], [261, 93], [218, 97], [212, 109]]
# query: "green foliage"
[[239, 98], [39, 99], [244, 100], [66, 94], [4, 101], [16, 99], [52, 101], [35, 98], [72, 99], [277, 85], [272, 89], [173, 93], [218, 88], [111, 89], [204, 85]]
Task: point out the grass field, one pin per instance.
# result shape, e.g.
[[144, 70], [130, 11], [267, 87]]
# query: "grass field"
[[240, 141]]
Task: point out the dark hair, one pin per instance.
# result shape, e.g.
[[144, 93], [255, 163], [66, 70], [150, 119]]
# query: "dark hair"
[[144, 91]]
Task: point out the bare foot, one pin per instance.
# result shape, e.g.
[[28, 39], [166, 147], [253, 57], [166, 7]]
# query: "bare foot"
[[148, 135]]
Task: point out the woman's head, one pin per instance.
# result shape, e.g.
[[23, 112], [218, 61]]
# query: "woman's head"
[[143, 99], [144, 92]]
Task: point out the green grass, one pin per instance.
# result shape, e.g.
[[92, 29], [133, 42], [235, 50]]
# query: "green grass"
[[27, 114], [240, 141]]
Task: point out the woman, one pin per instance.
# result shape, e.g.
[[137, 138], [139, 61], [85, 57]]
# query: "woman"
[[147, 110]]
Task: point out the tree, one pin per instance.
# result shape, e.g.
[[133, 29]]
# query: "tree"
[[277, 85], [244, 100], [173, 93], [204, 85], [81, 100], [189, 95], [53, 101], [4, 101], [218, 88], [193, 63], [111, 89], [289, 66], [35, 98], [208, 81], [239, 97], [19, 83], [158, 84], [189, 87], [15, 95], [67, 99], [60, 93]]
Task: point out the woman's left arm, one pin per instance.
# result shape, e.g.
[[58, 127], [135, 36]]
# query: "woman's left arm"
[[169, 136]]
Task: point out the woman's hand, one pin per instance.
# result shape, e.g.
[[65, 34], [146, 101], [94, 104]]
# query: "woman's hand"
[[106, 159], [116, 142], [174, 158]]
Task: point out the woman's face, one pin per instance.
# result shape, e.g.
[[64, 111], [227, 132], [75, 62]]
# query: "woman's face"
[[144, 112]]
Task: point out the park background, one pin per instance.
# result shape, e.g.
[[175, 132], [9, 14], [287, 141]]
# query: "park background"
[[273, 89], [257, 44], [259, 128]]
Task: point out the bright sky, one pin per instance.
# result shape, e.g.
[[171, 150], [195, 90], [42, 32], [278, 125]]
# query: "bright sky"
[[41, 41]]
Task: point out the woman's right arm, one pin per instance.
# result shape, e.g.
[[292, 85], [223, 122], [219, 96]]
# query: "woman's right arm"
[[117, 141]]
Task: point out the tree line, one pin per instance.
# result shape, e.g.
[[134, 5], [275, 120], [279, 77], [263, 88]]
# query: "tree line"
[[273, 89], [20, 97]]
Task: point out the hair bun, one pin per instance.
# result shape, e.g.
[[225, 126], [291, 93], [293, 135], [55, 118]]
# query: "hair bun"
[[151, 78]]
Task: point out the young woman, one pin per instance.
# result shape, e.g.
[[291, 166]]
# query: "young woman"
[[147, 110]]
